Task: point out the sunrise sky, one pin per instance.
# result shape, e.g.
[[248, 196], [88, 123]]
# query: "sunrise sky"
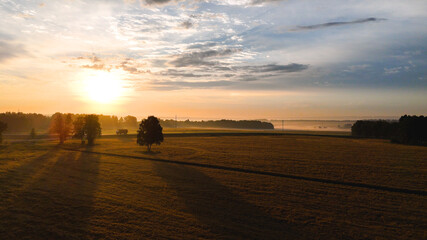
[[238, 59]]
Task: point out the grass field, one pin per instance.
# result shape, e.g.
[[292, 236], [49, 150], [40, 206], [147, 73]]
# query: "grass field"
[[220, 187], [167, 131]]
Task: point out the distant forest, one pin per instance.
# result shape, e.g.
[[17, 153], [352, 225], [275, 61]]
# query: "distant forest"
[[24, 122], [18, 122], [408, 130], [243, 124]]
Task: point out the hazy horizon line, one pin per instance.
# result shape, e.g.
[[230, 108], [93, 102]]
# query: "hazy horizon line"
[[195, 118]]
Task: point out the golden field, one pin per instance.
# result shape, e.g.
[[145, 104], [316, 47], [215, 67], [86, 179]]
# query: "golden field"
[[218, 187]]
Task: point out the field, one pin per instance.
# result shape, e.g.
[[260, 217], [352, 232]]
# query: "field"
[[215, 187]]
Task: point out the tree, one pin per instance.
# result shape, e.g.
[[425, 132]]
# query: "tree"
[[78, 128], [121, 122], [33, 133], [23, 122], [150, 132], [61, 125], [3, 127], [411, 130], [92, 128], [130, 122]]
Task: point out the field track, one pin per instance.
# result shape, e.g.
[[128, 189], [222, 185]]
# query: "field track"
[[327, 181]]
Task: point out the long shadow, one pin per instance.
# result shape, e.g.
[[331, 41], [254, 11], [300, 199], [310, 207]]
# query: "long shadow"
[[124, 138], [15, 177], [226, 214], [58, 204], [273, 174]]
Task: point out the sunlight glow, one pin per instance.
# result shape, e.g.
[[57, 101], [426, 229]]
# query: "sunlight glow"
[[104, 87]]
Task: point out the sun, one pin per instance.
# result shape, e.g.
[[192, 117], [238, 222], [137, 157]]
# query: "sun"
[[103, 87]]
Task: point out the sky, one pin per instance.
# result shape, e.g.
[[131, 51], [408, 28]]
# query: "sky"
[[211, 59]]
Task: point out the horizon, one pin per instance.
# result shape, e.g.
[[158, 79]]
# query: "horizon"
[[237, 59], [183, 118]]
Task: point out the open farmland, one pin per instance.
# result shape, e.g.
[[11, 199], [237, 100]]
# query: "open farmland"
[[264, 187]]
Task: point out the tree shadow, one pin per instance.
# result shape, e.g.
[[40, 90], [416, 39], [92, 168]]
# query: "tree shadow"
[[15, 177], [125, 138], [151, 153], [225, 213], [58, 204]]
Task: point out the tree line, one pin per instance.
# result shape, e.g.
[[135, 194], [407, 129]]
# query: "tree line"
[[243, 124], [408, 130], [25, 122]]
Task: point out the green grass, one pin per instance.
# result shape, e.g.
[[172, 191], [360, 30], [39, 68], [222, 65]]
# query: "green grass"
[[47, 192]]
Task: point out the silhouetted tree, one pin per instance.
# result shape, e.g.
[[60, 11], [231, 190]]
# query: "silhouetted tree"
[[3, 127], [411, 130], [61, 125], [92, 128], [131, 122], [23, 122], [108, 122], [150, 132], [79, 128], [374, 128], [33, 133], [121, 122]]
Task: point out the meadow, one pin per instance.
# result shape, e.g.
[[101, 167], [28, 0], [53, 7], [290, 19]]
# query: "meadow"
[[214, 187]]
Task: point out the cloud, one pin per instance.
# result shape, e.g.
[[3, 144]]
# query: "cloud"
[[228, 75], [355, 68], [293, 67], [245, 2], [202, 45], [128, 65], [256, 77], [258, 2], [92, 57], [26, 14], [176, 73], [95, 66], [198, 58], [187, 24], [248, 78], [129, 69], [95, 59], [333, 24], [222, 68], [10, 50], [394, 70], [175, 85], [156, 2]]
